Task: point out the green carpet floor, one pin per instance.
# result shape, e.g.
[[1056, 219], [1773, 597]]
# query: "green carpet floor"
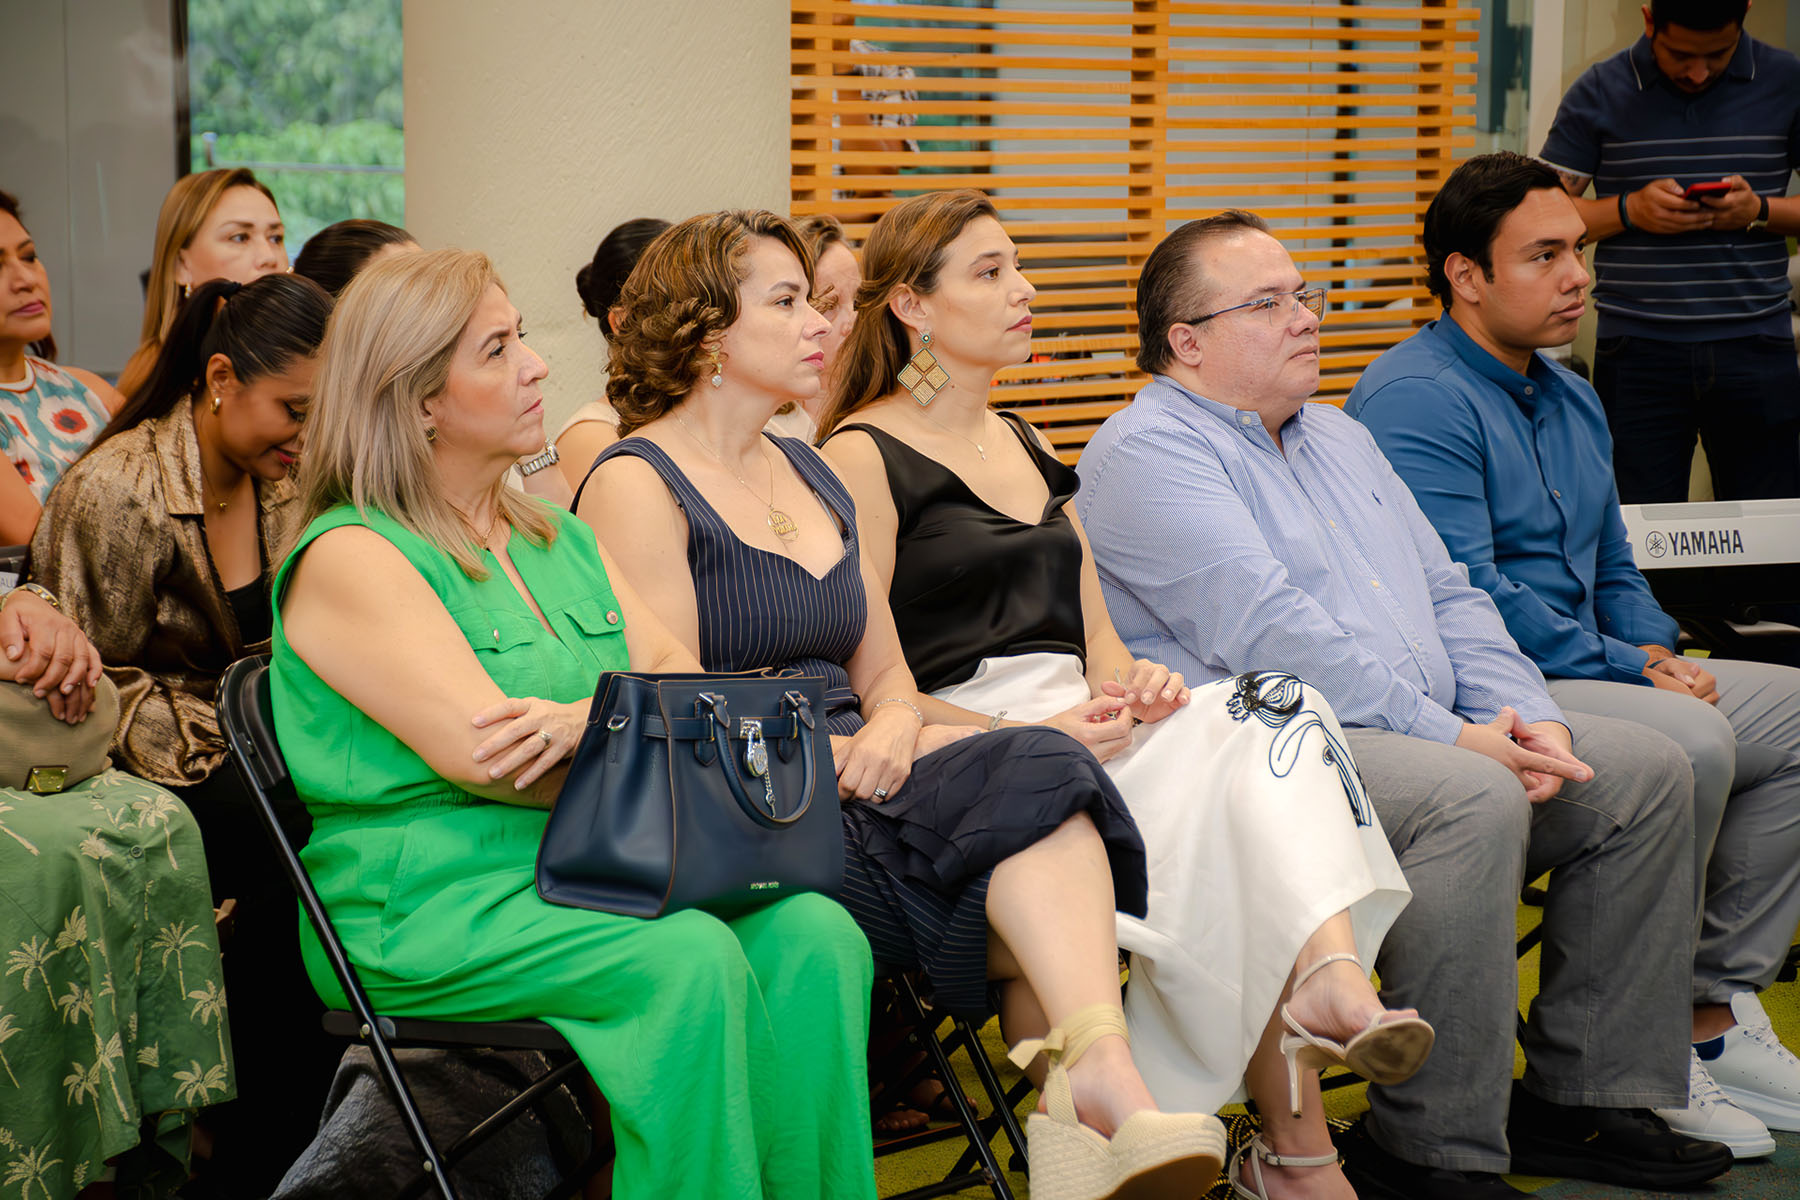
[[1776, 1176]]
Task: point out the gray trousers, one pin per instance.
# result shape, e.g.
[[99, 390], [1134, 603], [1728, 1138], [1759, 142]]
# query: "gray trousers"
[[1609, 1027], [1746, 758]]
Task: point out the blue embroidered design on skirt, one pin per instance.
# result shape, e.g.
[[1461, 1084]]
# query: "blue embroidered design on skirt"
[[1275, 698]]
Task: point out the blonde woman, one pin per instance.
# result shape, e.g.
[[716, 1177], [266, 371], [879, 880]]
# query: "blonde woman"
[[219, 224], [437, 640]]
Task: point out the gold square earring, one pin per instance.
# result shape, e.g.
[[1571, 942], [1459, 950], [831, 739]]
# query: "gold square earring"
[[922, 376]]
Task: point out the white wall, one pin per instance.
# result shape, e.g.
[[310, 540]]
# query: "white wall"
[[533, 129]]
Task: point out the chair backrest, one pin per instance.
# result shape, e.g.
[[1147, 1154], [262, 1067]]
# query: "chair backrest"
[[247, 719]]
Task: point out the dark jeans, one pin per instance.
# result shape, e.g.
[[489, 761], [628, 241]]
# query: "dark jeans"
[[284, 1060], [1740, 395]]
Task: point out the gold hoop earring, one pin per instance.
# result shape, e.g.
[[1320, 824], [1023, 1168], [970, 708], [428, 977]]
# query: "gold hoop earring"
[[718, 374], [431, 433], [923, 376], [215, 403]]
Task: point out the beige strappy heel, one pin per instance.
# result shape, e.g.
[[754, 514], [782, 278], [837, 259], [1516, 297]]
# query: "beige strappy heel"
[[1385, 1052], [1153, 1156], [1258, 1152]]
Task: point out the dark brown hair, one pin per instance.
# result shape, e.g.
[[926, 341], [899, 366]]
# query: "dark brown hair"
[[1172, 289], [680, 297], [332, 257], [44, 347], [600, 281], [905, 249]]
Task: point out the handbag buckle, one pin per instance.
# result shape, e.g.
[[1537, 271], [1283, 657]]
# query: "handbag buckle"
[[802, 709], [756, 751], [714, 704], [617, 722]]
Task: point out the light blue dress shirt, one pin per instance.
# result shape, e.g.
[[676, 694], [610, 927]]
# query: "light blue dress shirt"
[[1219, 554], [1515, 473]]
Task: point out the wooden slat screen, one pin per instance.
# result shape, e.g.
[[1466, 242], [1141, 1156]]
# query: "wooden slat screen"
[[1099, 125]]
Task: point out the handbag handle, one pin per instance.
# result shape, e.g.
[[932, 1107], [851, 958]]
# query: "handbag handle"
[[721, 733]]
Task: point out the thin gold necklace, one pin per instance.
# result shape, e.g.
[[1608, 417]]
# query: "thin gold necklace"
[[965, 437], [780, 524], [207, 480]]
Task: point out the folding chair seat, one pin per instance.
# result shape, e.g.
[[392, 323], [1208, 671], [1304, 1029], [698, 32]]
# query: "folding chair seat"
[[979, 1165], [245, 716], [13, 563]]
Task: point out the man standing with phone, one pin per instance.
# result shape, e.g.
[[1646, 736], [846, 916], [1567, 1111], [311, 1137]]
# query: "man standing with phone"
[[1691, 282]]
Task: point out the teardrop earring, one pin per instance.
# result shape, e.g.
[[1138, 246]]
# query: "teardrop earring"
[[215, 403], [718, 374]]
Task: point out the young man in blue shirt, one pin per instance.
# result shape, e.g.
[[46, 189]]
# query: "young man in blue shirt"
[[1237, 528], [1692, 291], [1508, 456]]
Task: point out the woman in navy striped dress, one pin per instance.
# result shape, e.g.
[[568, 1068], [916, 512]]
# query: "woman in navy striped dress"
[[973, 855]]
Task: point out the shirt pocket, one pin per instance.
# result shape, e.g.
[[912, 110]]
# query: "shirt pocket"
[[500, 641], [602, 629]]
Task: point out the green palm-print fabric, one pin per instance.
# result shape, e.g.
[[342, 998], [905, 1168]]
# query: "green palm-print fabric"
[[113, 1027]]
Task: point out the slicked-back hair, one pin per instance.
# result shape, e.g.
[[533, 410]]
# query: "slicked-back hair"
[[1467, 211], [1702, 16], [332, 257], [600, 280], [1172, 287]]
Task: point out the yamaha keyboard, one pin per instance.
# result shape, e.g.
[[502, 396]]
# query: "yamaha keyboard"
[[1718, 561]]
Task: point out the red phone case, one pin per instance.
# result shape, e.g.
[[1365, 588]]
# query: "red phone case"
[[1694, 190]]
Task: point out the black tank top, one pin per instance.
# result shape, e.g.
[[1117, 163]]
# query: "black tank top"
[[970, 582]]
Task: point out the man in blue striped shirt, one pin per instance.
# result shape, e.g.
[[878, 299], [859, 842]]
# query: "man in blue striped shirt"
[[1692, 288], [1237, 528]]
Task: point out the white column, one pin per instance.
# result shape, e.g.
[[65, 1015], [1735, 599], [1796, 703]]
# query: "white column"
[[532, 129]]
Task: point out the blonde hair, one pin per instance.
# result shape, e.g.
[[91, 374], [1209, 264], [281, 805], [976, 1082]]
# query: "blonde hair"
[[184, 211], [387, 350]]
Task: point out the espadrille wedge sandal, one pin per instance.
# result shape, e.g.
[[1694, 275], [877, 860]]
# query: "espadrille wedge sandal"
[[1153, 1156]]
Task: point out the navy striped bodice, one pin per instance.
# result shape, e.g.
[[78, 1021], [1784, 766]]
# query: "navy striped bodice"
[[758, 608]]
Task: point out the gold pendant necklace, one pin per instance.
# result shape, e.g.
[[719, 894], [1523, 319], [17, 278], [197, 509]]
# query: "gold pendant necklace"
[[965, 437], [780, 524]]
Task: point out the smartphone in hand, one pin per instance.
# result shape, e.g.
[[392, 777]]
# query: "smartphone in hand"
[[1700, 191]]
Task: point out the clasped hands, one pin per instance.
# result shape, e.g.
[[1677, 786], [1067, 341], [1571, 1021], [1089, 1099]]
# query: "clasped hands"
[[1660, 207], [1540, 754], [49, 653], [1673, 673]]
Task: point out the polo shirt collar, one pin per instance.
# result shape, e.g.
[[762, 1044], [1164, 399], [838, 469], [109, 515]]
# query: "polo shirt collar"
[[1643, 63], [1526, 390], [1247, 423]]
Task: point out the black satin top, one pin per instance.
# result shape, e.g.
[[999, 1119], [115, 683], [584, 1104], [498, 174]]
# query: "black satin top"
[[972, 583]]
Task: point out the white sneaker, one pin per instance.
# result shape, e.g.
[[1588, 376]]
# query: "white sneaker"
[[1761, 1075], [1712, 1117]]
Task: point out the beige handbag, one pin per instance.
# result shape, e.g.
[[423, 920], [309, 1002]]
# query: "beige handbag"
[[39, 753]]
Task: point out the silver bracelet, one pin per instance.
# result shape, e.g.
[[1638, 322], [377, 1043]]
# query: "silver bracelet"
[[547, 458], [994, 721], [898, 700]]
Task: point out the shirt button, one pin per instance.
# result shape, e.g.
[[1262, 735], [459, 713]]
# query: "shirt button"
[[1331, 522], [137, 852], [1530, 392], [612, 618], [1556, 493], [1376, 584], [496, 635]]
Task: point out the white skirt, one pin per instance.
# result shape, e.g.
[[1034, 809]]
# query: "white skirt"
[[1257, 830]]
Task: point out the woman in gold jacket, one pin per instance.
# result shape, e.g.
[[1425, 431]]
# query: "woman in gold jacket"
[[159, 543]]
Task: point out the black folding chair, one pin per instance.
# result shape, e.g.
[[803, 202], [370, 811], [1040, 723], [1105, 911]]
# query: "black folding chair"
[[13, 563], [245, 717], [978, 1166]]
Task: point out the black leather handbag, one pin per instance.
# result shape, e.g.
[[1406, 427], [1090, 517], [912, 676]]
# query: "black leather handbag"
[[696, 791]]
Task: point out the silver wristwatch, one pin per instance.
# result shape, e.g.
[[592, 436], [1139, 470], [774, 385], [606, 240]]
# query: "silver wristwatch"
[[538, 462]]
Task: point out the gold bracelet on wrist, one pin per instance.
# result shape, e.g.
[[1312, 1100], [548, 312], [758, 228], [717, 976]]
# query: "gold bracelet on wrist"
[[898, 700], [38, 590]]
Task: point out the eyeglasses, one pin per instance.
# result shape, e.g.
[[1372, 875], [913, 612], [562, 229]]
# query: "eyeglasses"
[[1311, 299]]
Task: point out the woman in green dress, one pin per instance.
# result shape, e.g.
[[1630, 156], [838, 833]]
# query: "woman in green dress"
[[437, 640]]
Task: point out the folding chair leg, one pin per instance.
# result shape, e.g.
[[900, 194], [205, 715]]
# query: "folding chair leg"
[[433, 1173], [990, 1082], [978, 1141]]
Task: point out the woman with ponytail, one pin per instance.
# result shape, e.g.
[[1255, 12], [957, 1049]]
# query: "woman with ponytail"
[[158, 542]]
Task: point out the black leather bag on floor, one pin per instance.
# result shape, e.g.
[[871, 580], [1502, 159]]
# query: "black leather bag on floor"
[[696, 791]]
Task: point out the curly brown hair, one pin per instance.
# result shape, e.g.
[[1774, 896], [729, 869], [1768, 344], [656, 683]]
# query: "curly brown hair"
[[680, 297]]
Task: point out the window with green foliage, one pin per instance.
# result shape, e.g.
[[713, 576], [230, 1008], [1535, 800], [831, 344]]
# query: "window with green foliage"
[[307, 94]]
